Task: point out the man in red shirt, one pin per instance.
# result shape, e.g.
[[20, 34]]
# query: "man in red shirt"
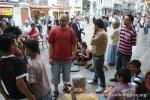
[[33, 33], [62, 45]]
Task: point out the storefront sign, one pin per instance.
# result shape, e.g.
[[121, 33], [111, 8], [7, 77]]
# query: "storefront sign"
[[6, 11]]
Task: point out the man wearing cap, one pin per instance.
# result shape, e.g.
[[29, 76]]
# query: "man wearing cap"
[[127, 39]]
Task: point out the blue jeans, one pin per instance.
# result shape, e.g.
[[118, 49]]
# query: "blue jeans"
[[57, 67], [122, 60], [98, 62], [48, 96]]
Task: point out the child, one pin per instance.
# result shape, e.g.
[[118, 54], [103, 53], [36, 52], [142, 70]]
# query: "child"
[[13, 72], [37, 72]]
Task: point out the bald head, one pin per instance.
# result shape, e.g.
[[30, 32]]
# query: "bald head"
[[64, 21]]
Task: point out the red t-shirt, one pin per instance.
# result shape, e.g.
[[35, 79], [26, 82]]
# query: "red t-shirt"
[[62, 41], [33, 33]]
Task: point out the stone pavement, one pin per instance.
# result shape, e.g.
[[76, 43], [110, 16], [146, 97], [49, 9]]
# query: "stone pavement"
[[141, 52]]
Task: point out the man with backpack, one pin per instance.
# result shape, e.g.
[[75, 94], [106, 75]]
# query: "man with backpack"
[[138, 79]]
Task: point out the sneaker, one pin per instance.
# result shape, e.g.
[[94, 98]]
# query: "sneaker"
[[92, 82], [100, 89], [113, 80]]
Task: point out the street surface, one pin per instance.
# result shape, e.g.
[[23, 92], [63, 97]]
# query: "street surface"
[[141, 52]]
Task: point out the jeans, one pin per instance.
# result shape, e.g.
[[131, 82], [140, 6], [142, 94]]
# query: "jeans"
[[122, 60], [48, 96], [98, 62], [57, 67]]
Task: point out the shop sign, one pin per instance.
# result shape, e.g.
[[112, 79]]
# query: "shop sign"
[[6, 11]]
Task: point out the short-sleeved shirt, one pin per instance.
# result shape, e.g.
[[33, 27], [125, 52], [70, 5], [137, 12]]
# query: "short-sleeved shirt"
[[123, 91], [62, 41], [38, 77], [12, 69]]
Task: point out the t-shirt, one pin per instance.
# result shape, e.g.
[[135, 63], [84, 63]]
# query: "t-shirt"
[[38, 77], [12, 69], [62, 41], [125, 91]]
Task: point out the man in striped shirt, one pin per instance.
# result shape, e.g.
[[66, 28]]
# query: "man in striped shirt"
[[127, 39]]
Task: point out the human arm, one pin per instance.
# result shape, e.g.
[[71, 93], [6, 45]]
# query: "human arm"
[[2, 91], [134, 39], [24, 89], [21, 75], [50, 54]]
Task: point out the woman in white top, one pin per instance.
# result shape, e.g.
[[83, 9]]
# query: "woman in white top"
[[112, 47]]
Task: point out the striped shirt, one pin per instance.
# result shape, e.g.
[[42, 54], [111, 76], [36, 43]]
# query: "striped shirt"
[[127, 39], [38, 77]]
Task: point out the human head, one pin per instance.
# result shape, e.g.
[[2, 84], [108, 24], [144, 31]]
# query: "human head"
[[64, 21], [134, 66], [128, 20], [33, 25], [7, 44], [99, 24], [15, 31], [115, 23], [32, 46], [123, 75], [79, 83], [84, 45]]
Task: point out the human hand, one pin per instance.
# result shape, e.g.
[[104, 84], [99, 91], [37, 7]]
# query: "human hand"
[[32, 97]]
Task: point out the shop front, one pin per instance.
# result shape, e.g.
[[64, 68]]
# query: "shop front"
[[38, 11], [6, 12], [59, 10]]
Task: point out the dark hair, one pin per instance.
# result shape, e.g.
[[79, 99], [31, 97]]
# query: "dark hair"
[[136, 63], [99, 22], [131, 17], [84, 44], [33, 45], [5, 42], [15, 31], [32, 24], [125, 73]]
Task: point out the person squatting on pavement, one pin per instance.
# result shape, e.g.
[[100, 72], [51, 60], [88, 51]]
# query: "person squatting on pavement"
[[99, 44], [62, 45]]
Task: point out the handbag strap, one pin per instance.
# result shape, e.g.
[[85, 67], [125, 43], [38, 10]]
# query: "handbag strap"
[[73, 96]]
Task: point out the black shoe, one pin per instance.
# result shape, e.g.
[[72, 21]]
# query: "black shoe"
[[113, 80], [55, 95]]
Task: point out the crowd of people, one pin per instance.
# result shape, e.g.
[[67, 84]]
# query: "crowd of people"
[[23, 73]]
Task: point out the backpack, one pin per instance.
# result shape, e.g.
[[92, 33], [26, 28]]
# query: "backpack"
[[141, 90]]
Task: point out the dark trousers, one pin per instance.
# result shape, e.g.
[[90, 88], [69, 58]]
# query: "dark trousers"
[[122, 60], [98, 62]]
